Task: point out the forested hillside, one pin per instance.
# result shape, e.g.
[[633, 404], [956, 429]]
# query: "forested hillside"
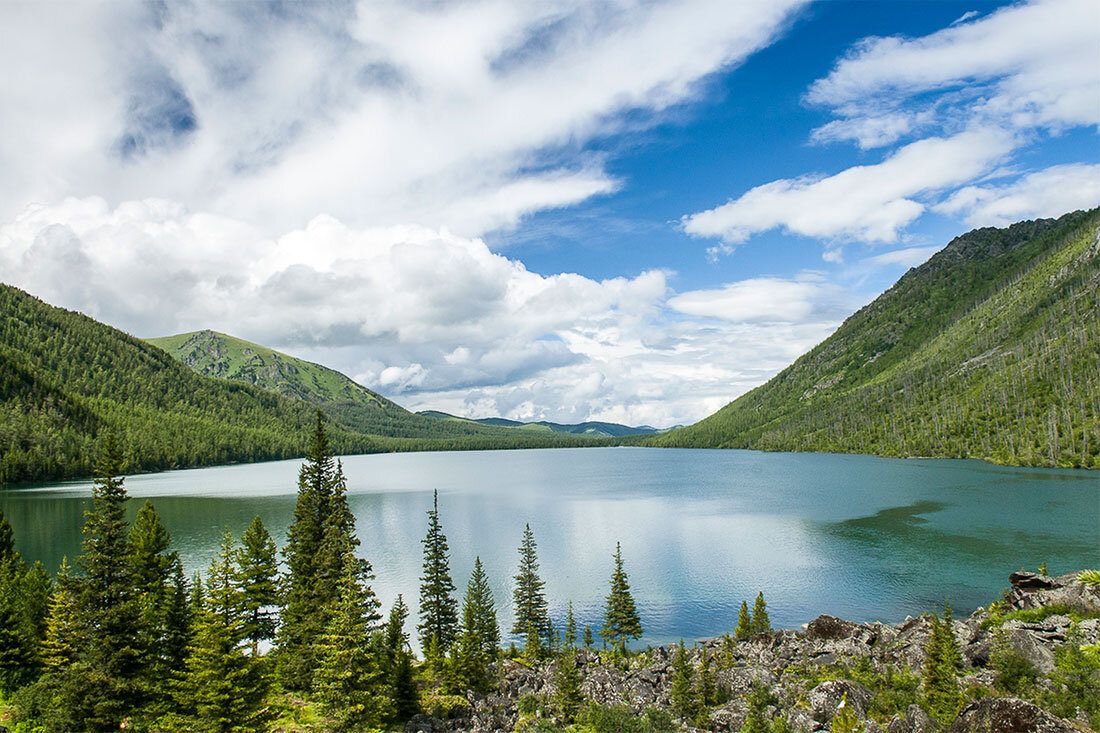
[[991, 350], [591, 428], [66, 378]]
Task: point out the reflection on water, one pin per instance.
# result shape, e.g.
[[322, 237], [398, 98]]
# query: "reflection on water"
[[855, 536]]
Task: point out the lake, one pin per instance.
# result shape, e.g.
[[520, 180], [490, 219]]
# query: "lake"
[[859, 537]]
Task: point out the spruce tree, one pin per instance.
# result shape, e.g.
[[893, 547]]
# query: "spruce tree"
[[567, 683], [588, 638], [532, 617], [760, 620], [438, 608], [399, 667], [940, 671], [60, 645], [744, 623], [756, 720], [16, 658], [480, 638], [8, 556], [350, 680], [107, 606], [316, 541], [621, 622], [570, 638], [225, 690], [257, 569], [682, 696]]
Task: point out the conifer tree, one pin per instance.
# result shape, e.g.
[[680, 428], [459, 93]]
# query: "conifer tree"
[[8, 556], [316, 540], [257, 568], [744, 623], [399, 659], [16, 658], [845, 720], [588, 638], [682, 699], [480, 638], [225, 689], [567, 683], [705, 685], [570, 638], [60, 645], [621, 622], [760, 620], [940, 672], [438, 608], [756, 720], [350, 680], [532, 617]]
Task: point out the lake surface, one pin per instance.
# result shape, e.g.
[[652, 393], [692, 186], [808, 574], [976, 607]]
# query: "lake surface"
[[855, 536]]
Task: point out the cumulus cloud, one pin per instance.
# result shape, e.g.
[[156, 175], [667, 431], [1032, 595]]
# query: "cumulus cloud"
[[466, 115], [1045, 193], [426, 316], [868, 203]]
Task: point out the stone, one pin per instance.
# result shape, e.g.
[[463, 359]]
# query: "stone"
[[1007, 715], [1030, 581], [425, 724], [826, 627], [915, 721], [825, 698]]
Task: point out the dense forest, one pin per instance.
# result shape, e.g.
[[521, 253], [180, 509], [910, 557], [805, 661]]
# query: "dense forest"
[[298, 641], [990, 350], [65, 379]]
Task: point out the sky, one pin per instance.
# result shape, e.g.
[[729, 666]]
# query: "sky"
[[620, 210]]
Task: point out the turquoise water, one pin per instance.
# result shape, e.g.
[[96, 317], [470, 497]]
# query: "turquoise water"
[[856, 536]]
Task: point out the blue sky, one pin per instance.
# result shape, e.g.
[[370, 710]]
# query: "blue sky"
[[551, 210]]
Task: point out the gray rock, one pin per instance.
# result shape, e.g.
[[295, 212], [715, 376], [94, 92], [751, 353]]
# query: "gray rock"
[[1007, 715], [1030, 581], [425, 724], [826, 697], [826, 627], [915, 721]]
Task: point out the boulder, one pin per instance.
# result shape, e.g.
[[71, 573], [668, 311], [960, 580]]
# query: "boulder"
[[826, 697], [425, 724], [1030, 581], [1007, 715], [826, 628], [915, 721]]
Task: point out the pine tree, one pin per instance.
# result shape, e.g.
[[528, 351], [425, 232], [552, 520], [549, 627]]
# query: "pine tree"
[[760, 620], [16, 658], [756, 720], [532, 617], [316, 540], [940, 672], [350, 680], [567, 683], [570, 638], [845, 720], [588, 638], [621, 622], [60, 645], [705, 684], [399, 671], [257, 569], [744, 623], [225, 689], [480, 638], [682, 700], [438, 608], [8, 556], [108, 613]]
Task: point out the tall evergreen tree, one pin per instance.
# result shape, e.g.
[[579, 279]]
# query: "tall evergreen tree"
[[532, 617], [570, 637], [257, 569], [438, 608], [941, 668], [316, 542], [60, 645], [479, 641], [399, 659], [568, 679], [744, 623], [225, 690], [8, 556], [350, 680], [106, 602], [682, 695], [621, 622], [760, 620]]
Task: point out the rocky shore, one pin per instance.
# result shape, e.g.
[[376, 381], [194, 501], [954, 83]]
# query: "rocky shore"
[[874, 668]]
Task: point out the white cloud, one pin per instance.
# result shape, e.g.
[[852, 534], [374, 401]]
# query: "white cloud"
[[426, 316], [1046, 193], [1030, 64], [465, 115], [908, 257], [866, 203]]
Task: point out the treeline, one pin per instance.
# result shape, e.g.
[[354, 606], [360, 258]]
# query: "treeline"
[[66, 380], [124, 639], [990, 350]]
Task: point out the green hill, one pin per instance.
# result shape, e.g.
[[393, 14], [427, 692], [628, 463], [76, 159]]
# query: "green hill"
[[591, 428], [66, 378], [991, 350]]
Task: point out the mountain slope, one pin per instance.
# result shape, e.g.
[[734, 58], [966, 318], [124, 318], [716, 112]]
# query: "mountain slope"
[[592, 428], [66, 378], [991, 349]]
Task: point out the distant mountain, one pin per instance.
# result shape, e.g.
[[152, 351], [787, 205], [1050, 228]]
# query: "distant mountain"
[[65, 379], [594, 429], [991, 350]]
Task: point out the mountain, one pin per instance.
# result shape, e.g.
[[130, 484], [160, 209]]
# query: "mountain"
[[65, 379], [991, 349], [591, 428]]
